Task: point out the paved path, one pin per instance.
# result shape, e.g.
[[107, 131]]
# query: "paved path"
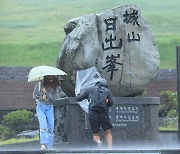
[[34, 148]]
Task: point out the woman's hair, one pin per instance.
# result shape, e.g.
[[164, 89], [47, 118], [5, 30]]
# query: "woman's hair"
[[54, 84]]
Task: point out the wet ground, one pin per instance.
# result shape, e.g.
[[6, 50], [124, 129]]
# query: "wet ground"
[[34, 148], [90, 151], [168, 144]]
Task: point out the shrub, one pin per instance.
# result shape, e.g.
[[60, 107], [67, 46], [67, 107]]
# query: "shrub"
[[163, 110], [168, 102], [17, 120], [5, 133], [172, 113]]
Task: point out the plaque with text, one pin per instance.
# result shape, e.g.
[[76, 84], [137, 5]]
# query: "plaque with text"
[[127, 115]]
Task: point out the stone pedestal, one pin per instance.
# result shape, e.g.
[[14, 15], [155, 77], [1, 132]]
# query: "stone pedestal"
[[134, 119]]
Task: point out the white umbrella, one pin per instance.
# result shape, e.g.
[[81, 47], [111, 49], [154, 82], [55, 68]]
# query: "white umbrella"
[[85, 79], [37, 73]]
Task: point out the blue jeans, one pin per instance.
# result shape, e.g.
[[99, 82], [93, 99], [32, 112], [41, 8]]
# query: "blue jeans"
[[46, 122]]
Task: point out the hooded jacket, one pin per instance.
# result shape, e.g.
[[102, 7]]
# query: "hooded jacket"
[[100, 97]]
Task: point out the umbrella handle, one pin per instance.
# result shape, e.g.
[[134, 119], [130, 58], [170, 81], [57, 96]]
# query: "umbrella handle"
[[39, 86]]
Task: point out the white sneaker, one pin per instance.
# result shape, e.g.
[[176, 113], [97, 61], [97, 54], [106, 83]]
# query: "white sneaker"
[[100, 145], [43, 147]]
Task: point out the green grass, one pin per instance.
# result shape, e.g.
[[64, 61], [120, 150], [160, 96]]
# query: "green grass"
[[31, 32], [29, 54], [167, 46], [168, 128], [15, 141]]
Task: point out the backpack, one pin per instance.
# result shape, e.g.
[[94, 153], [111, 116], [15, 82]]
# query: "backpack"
[[98, 99]]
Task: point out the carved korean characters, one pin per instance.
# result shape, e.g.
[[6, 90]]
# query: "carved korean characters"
[[119, 42]]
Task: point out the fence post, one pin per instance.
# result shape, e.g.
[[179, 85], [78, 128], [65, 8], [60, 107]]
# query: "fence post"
[[178, 85]]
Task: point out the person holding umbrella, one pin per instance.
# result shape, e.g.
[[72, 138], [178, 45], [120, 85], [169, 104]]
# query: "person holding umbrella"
[[101, 99], [45, 94]]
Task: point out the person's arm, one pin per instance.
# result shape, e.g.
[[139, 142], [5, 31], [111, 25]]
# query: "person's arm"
[[82, 95], [110, 99], [37, 94]]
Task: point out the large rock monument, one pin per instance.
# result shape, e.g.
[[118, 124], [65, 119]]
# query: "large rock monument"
[[119, 42]]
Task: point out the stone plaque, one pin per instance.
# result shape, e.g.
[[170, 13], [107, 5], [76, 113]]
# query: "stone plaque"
[[127, 115]]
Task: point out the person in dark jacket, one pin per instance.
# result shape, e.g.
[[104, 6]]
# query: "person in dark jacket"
[[101, 99]]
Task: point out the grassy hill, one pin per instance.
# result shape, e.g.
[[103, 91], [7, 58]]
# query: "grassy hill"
[[31, 31]]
